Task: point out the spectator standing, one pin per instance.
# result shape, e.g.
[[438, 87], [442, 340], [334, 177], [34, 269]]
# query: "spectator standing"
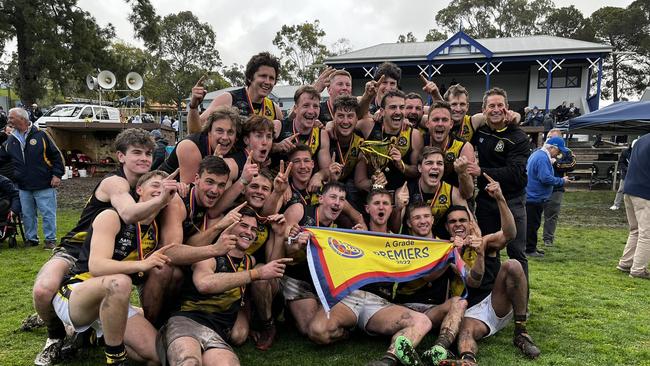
[[541, 180], [3, 118], [160, 152], [562, 165], [623, 162], [166, 121], [636, 195], [38, 167]]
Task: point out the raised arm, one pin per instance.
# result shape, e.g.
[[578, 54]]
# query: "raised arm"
[[116, 190], [508, 232]]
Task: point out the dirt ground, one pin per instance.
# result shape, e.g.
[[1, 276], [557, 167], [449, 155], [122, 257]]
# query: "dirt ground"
[[73, 193]]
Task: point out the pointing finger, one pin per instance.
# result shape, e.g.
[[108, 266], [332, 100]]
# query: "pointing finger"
[[425, 81], [294, 136], [200, 82], [284, 260], [281, 171], [240, 206], [488, 178], [333, 156], [381, 79], [229, 228], [173, 175]]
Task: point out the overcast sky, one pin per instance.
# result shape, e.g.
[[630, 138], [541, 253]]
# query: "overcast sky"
[[246, 27]]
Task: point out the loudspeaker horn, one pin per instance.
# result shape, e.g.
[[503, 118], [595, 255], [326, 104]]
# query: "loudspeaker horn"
[[91, 82], [106, 79], [134, 81]]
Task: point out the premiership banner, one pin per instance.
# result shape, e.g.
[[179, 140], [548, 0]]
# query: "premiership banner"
[[341, 261]]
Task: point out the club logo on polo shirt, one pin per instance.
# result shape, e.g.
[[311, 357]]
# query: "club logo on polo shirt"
[[499, 147], [401, 141], [450, 157], [442, 199], [32, 142]]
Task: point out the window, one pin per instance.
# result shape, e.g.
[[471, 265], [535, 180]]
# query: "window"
[[568, 77], [63, 111], [86, 113], [101, 113]]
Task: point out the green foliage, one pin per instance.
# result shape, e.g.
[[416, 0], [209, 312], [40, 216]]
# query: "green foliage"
[[626, 30], [182, 49], [435, 35], [569, 22], [301, 51], [495, 18], [408, 38], [145, 22], [583, 311], [57, 44], [234, 74]]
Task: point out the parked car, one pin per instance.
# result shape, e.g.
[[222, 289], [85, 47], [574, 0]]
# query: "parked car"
[[79, 113]]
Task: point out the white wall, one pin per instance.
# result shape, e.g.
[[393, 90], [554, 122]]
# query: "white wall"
[[537, 97]]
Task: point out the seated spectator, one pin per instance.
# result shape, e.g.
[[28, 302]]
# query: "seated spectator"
[[561, 112], [9, 199], [534, 118], [573, 111]]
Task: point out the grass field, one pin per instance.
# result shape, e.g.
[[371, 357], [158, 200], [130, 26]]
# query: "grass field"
[[583, 311]]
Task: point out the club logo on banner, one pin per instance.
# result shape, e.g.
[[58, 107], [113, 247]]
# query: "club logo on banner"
[[341, 261]]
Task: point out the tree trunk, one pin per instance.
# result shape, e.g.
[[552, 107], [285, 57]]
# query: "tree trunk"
[[28, 70]]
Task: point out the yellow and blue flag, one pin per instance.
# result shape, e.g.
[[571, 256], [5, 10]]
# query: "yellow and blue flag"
[[341, 261]]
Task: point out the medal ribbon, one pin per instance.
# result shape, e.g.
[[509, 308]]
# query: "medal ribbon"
[[247, 266]]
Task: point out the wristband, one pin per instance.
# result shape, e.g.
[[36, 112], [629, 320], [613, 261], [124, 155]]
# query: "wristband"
[[254, 275], [243, 181], [194, 107]]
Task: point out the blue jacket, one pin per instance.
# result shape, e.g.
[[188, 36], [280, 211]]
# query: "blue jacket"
[[36, 160], [541, 178], [637, 180]]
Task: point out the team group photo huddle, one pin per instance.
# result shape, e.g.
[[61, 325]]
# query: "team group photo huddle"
[[481, 197]]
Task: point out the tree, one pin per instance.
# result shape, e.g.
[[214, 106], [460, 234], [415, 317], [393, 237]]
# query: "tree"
[[340, 47], [570, 23], [145, 22], [409, 38], [184, 51], [495, 18], [435, 35], [301, 50], [57, 44], [625, 29], [234, 74]]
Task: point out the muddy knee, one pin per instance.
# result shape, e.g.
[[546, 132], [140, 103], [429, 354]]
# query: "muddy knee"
[[186, 360], [118, 286], [416, 320], [512, 267]]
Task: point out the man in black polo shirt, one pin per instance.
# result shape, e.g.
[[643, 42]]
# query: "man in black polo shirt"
[[502, 154]]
